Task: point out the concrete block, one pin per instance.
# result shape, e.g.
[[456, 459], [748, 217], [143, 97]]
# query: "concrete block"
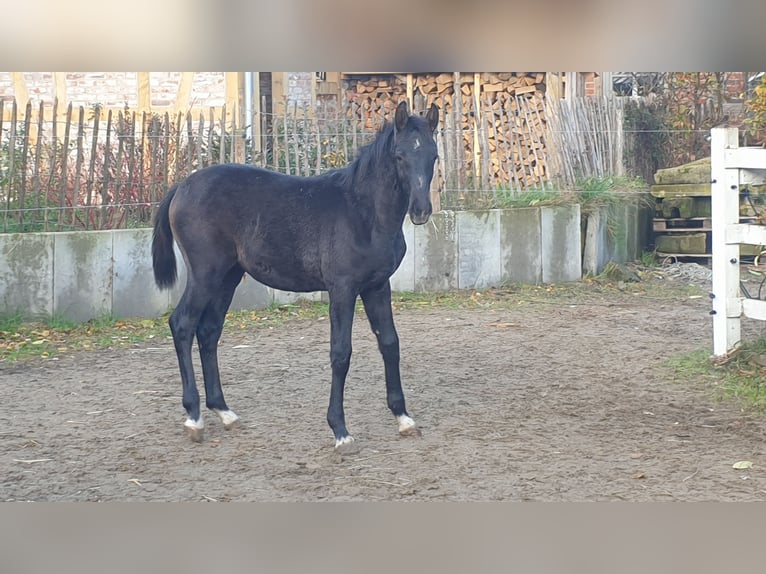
[[289, 297], [561, 252], [480, 253], [26, 274], [251, 294], [436, 253], [521, 251], [82, 274], [134, 293], [403, 278]]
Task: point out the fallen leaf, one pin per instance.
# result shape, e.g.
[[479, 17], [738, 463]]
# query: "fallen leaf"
[[742, 464]]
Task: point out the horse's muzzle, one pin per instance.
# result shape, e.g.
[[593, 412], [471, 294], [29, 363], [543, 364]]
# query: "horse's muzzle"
[[419, 218]]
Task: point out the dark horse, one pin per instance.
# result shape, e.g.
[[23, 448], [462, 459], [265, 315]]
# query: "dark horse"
[[339, 232]]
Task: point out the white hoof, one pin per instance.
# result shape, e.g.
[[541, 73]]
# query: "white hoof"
[[407, 426], [339, 442], [228, 418], [195, 429]]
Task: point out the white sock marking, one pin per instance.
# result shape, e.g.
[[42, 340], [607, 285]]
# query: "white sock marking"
[[405, 423], [227, 417], [192, 424], [345, 440]]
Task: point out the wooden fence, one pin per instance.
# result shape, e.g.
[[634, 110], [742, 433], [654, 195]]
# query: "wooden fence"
[[94, 170]]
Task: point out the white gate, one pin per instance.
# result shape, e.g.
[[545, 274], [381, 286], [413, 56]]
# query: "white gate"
[[730, 166]]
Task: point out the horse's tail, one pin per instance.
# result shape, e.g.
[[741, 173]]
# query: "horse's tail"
[[163, 256]]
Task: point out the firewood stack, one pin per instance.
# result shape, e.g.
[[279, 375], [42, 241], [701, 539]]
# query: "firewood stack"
[[500, 119]]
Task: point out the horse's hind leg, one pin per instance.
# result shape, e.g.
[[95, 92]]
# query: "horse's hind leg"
[[183, 325], [377, 305], [208, 334]]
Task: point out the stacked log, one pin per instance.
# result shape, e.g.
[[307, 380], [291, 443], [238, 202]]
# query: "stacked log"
[[495, 119]]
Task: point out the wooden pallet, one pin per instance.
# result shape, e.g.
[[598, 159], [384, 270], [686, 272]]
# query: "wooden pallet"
[[691, 224]]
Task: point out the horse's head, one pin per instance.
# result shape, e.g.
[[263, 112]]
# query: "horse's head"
[[415, 154]]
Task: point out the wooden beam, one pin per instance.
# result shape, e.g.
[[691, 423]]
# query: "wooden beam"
[[410, 102], [144, 92], [278, 92], [20, 88], [183, 97], [59, 81]]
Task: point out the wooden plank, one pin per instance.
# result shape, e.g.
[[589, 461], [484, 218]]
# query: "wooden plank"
[[183, 95], [20, 91], [64, 158], [745, 158], [105, 174], [144, 91], [24, 159], [754, 308], [60, 92], [744, 233], [79, 162], [725, 210]]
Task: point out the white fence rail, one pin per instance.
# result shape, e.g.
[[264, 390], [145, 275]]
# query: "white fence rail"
[[730, 166]]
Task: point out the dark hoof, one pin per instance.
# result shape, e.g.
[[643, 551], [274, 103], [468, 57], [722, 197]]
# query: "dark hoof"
[[195, 434]]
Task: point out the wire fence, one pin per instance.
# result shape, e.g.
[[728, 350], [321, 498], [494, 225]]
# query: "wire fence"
[[65, 168]]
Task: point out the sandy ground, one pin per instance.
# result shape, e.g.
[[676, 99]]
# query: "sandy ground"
[[555, 400]]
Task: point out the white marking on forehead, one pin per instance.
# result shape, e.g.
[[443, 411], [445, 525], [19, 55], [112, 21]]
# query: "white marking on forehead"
[[421, 180], [417, 143]]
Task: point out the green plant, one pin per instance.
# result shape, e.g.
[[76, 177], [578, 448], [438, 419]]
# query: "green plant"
[[649, 259], [741, 376], [756, 110]]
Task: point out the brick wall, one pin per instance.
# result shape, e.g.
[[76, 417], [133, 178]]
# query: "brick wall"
[[117, 89], [299, 88]]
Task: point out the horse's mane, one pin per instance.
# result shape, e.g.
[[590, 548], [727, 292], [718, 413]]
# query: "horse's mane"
[[368, 156]]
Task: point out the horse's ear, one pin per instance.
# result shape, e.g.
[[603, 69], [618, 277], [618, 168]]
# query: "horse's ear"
[[401, 116], [433, 117]]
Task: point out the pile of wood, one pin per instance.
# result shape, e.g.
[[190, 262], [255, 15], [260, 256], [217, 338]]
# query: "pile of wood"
[[494, 126]]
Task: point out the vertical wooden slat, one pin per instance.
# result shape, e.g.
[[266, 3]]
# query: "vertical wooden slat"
[[11, 160], [64, 159], [166, 156], [144, 92], [190, 143], [24, 160], [222, 150], [92, 169], [143, 191], [79, 163], [458, 124], [53, 155], [131, 134], [118, 197], [106, 176], [177, 151], [209, 159], [38, 156]]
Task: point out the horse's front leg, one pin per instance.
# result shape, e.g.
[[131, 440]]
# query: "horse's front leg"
[[341, 321], [377, 305]]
